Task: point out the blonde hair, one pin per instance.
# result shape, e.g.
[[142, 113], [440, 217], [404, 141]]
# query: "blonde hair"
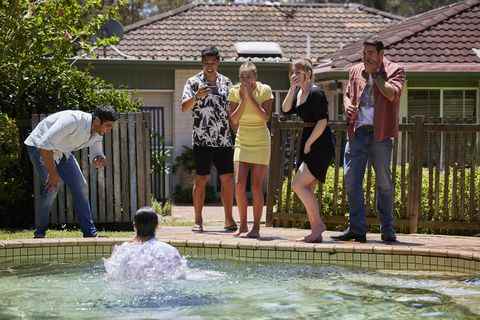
[[248, 67], [304, 64]]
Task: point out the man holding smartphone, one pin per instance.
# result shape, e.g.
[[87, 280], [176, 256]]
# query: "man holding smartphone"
[[206, 95]]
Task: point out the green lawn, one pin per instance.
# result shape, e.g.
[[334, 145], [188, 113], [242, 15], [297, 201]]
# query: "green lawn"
[[28, 234]]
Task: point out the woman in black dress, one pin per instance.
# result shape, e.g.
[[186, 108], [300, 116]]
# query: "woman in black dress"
[[317, 150]]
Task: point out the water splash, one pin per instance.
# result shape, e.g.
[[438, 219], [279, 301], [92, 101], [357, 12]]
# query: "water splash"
[[151, 260]]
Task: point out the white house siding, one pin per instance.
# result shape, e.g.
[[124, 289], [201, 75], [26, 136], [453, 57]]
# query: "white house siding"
[[160, 98], [183, 121]]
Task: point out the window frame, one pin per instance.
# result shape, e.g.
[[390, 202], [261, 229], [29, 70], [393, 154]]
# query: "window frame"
[[442, 89]]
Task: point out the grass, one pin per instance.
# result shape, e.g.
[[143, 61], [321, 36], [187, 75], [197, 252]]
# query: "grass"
[[12, 234], [28, 234]]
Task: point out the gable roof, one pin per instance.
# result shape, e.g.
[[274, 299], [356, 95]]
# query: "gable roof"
[[438, 40], [180, 34]]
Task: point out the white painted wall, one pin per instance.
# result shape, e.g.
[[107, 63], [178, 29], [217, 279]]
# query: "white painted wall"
[[159, 98], [183, 121]]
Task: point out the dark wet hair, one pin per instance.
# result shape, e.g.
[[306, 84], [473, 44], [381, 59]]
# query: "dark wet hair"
[[146, 222], [105, 113], [378, 44], [210, 52]]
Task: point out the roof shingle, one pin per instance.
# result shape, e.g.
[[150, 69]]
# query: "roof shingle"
[[442, 36], [186, 30]]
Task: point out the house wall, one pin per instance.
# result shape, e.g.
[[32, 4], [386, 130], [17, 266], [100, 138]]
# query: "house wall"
[[159, 98], [139, 76], [452, 81], [162, 85]]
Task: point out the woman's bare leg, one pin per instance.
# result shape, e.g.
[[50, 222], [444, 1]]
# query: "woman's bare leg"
[[303, 185], [241, 174], [259, 172]]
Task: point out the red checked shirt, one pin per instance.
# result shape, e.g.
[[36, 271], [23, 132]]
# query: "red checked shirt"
[[386, 112]]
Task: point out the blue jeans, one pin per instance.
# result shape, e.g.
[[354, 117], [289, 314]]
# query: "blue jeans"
[[358, 150], [70, 172]]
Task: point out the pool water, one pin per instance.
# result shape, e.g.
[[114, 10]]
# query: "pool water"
[[220, 289]]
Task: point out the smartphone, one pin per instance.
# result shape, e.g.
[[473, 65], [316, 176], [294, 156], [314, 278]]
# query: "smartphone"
[[213, 89]]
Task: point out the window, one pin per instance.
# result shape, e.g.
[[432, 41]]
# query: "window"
[[424, 102], [452, 105], [460, 105]]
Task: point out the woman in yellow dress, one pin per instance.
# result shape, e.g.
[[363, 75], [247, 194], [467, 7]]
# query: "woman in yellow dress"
[[250, 106]]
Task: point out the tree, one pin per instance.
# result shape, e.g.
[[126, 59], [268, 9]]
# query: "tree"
[[38, 43], [398, 7], [136, 10], [406, 7]]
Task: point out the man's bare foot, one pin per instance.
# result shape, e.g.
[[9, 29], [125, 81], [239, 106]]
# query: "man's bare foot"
[[313, 238], [254, 234]]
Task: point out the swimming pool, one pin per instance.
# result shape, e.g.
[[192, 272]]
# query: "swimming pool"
[[226, 289]]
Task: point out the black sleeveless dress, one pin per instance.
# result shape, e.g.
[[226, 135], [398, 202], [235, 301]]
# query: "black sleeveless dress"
[[322, 151]]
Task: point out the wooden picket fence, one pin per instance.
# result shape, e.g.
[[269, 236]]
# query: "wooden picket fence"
[[123, 186], [435, 169]]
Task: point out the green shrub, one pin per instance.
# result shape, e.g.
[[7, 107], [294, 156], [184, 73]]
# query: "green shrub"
[[11, 187], [184, 167], [183, 195], [427, 211], [163, 209], [9, 143], [185, 160]]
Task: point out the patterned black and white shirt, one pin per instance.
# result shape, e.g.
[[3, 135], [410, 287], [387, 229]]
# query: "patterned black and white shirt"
[[210, 116]]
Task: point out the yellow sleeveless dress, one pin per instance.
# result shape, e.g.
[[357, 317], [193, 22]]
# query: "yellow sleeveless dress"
[[252, 141]]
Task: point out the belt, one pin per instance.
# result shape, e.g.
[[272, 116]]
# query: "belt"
[[367, 128]]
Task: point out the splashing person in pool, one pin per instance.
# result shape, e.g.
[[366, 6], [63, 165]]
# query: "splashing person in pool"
[[145, 257]]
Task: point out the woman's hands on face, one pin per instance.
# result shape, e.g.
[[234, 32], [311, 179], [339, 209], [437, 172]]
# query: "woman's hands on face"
[[294, 80]]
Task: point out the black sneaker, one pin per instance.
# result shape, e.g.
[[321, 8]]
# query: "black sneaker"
[[95, 235], [391, 237], [349, 236]]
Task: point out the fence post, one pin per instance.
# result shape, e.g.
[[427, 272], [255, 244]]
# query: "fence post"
[[273, 169], [148, 154], [415, 194]]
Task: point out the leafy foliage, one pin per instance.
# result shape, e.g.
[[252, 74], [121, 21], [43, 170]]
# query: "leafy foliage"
[[136, 10], [428, 205], [11, 188], [39, 42]]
